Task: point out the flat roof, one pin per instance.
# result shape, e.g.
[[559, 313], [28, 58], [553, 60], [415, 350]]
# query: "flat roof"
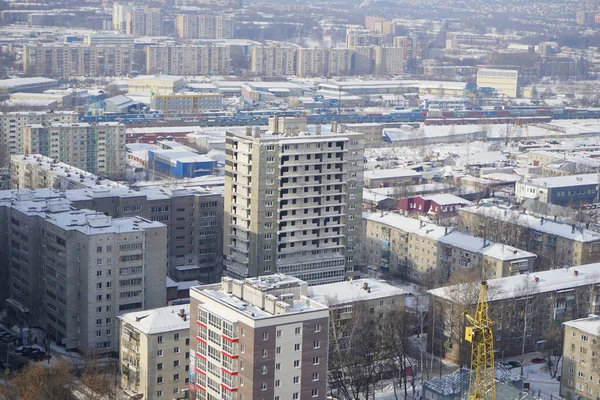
[[157, 320], [589, 324], [390, 173], [563, 181], [350, 291]]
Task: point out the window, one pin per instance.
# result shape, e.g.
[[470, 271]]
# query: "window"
[[176, 336], [159, 393], [176, 350], [159, 366], [296, 363], [296, 379], [265, 335], [316, 360], [277, 383], [315, 376], [159, 380], [159, 353], [295, 396], [278, 333], [264, 370], [265, 353], [314, 392], [316, 344], [298, 330], [176, 364], [297, 347], [263, 386], [278, 350], [176, 377], [318, 328], [159, 339], [278, 367]]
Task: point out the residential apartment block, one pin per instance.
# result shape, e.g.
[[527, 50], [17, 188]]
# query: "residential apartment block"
[[73, 272], [12, 129], [523, 307], [192, 26], [137, 20], [96, 148], [292, 203], [154, 354], [421, 251], [188, 59], [579, 378], [67, 60], [273, 60], [258, 338], [193, 216], [557, 244]]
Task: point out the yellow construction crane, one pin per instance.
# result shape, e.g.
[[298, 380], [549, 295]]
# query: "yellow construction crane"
[[482, 380]]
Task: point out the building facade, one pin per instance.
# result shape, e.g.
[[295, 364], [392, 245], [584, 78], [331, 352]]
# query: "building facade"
[[187, 103], [260, 338], [188, 59], [292, 203], [74, 272], [579, 378], [154, 353]]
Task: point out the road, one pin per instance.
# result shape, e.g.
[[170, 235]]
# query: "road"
[[16, 361]]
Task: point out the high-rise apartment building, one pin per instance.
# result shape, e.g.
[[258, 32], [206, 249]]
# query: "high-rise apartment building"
[[192, 26], [311, 62], [96, 148], [154, 354], [74, 272], [292, 203], [361, 39], [339, 62], [273, 60], [66, 60], [260, 338], [363, 60], [12, 128], [389, 60], [188, 59]]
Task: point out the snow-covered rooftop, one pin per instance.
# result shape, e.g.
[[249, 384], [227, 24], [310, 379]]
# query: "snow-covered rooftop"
[[549, 226], [391, 173], [446, 199], [351, 291], [158, 320], [564, 181], [589, 325], [522, 285]]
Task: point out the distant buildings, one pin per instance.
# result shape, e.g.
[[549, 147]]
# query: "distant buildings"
[[12, 129], [188, 59], [191, 26], [273, 60], [74, 272], [186, 103], [96, 148], [156, 84], [137, 20], [258, 338], [394, 177], [571, 190], [292, 202], [504, 81], [437, 206], [154, 352]]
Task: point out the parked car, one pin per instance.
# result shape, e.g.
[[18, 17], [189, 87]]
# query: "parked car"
[[26, 351], [21, 348], [538, 360], [8, 338], [513, 364]]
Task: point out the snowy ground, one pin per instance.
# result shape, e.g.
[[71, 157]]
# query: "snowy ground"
[[541, 384]]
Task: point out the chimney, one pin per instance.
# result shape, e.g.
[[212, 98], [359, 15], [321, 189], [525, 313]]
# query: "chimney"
[[421, 224], [537, 279], [573, 228], [365, 286], [445, 231], [515, 252], [575, 272], [248, 130], [542, 221], [256, 131]]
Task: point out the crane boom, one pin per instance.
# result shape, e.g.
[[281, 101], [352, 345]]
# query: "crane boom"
[[482, 380]]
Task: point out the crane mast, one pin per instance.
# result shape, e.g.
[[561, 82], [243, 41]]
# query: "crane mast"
[[482, 380]]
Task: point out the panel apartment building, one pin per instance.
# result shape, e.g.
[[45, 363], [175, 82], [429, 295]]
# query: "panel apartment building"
[[96, 148], [188, 59], [260, 338], [74, 271], [12, 128], [557, 244], [522, 306], [154, 354], [579, 378], [292, 202], [428, 253], [192, 215], [67, 60]]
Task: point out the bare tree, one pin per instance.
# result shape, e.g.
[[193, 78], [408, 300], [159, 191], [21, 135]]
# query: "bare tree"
[[99, 378], [554, 348], [40, 382]]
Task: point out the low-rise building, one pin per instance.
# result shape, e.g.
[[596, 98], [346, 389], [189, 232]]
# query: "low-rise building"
[[422, 251], [523, 307], [579, 377], [187, 103], [571, 190], [380, 178], [556, 243], [437, 206], [154, 353], [156, 84]]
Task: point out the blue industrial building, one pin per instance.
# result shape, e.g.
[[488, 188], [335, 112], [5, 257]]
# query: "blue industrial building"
[[180, 163]]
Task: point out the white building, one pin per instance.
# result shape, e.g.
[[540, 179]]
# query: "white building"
[[503, 80]]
